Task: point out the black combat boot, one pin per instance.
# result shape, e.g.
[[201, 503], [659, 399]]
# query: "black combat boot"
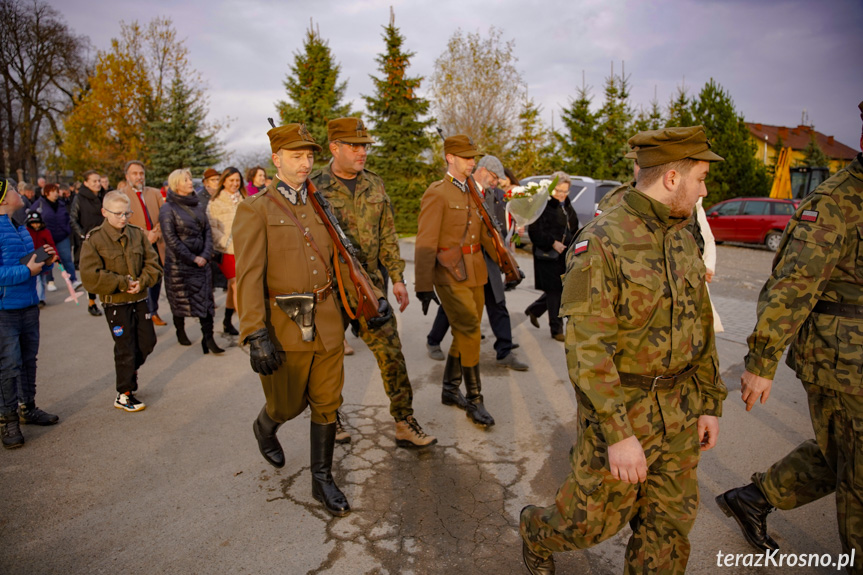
[[451, 394], [180, 326], [475, 408], [208, 343], [30, 414], [10, 431], [749, 508], [324, 489], [227, 326], [265, 432]]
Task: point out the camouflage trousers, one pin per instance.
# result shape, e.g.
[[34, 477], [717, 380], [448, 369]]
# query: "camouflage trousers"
[[592, 506], [387, 348], [832, 462]]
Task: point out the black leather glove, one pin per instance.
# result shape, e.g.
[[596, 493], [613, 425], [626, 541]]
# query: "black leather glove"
[[263, 355], [426, 297], [355, 327], [385, 314]]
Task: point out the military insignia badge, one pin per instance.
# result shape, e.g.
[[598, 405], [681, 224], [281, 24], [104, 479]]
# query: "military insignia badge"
[[304, 133], [360, 128], [809, 216], [579, 248]]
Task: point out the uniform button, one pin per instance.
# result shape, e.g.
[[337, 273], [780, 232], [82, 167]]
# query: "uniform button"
[[316, 286], [302, 215], [313, 258], [307, 229], [281, 221], [315, 272], [472, 237], [308, 244]]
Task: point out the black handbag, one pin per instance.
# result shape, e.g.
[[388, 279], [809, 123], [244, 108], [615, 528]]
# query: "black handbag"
[[545, 255]]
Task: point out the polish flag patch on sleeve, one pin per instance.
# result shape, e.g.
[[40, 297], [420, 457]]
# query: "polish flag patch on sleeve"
[[809, 216], [579, 248]]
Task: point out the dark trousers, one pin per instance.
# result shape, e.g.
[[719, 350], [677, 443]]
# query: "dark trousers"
[[134, 339], [498, 317], [19, 344], [548, 301], [154, 291]]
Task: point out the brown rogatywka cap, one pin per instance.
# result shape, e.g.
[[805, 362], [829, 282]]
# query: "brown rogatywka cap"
[[348, 130], [461, 146], [210, 173], [291, 137], [657, 147]]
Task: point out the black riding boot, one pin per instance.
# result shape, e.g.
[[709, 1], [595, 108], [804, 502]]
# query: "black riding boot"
[[451, 394], [475, 408], [749, 508], [265, 432], [180, 326], [208, 343], [227, 326], [324, 489]]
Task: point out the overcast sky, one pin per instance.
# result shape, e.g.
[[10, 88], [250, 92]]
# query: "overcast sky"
[[775, 57]]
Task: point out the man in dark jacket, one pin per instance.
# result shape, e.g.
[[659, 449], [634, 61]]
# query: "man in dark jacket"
[[85, 214]]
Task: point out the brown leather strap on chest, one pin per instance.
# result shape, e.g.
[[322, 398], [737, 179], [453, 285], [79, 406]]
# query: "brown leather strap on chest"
[[306, 234]]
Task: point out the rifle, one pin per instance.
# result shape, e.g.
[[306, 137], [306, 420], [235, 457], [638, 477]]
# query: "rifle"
[[367, 304], [508, 264]]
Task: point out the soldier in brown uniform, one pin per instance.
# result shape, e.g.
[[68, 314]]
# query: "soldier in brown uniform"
[[449, 220], [360, 202], [283, 249]]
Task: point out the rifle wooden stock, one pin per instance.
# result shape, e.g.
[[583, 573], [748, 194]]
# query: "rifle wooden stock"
[[367, 305], [507, 262]]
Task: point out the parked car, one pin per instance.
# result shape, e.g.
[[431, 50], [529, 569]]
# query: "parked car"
[[751, 220], [584, 193]]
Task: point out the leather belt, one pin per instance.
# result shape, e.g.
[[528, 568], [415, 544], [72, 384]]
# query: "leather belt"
[[652, 383], [471, 249], [841, 309], [321, 294]]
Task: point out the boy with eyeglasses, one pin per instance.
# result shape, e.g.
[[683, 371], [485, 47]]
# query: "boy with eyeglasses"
[[118, 263]]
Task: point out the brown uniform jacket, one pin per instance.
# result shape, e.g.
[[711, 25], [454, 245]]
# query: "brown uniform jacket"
[[109, 255], [153, 200], [274, 258], [445, 212]]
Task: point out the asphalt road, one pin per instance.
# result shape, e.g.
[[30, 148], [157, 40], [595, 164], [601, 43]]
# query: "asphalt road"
[[180, 488]]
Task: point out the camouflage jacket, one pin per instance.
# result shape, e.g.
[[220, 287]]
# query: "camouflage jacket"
[[612, 198], [636, 300], [820, 258], [368, 220]]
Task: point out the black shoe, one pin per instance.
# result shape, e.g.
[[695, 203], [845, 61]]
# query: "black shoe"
[[227, 327], [10, 432], [451, 394], [324, 488], [476, 410], [265, 429], [94, 310], [749, 508], [180, 327], [535, 564], [534, 321], [208, 344], [32, 415]]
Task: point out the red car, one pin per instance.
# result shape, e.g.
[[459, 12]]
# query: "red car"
[[751, 220]]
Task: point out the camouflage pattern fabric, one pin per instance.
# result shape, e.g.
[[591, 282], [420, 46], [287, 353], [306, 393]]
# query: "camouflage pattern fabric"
[[636, 302], [367, 219], [612, 198], [831, 462], [820, 257]]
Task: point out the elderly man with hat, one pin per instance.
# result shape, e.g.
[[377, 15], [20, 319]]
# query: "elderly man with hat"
[[360, 203], [449, 260], [210, 181], [284, 257], [814, 301], [641, 355]]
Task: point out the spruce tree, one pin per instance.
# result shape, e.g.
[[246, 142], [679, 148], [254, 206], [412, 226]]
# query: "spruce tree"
[[579, 146], [181, 138], [532, 150], [615, 125], [314, 91], [680, 109], [814, 156]]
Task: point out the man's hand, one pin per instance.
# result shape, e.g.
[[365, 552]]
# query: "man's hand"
[[154, 235], [134, 286], [200, 262], [626, 460], [51, 252], [385, 314], [753, 387], [34, 266], [708, 277], [401, 294], [708, 431], [264, 357], [426, 297]]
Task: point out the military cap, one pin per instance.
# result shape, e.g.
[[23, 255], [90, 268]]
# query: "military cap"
[[291, 137], [656, 147], [209, 173], [492, 164], [461, 146], [348, 130]]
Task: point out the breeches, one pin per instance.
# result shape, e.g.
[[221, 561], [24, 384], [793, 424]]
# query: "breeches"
[[306, 378], [463, 306]]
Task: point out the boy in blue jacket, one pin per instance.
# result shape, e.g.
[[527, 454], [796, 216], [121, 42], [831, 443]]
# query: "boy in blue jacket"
[[19, 324]]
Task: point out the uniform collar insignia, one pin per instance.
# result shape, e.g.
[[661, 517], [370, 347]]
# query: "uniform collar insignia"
[[294, 196]]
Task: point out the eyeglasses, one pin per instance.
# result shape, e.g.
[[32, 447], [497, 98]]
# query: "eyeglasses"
[[125, 215], [355, 147]]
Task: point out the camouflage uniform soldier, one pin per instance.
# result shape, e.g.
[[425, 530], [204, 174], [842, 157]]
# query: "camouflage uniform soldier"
[[641, 356], [815, 298], [364, 211]]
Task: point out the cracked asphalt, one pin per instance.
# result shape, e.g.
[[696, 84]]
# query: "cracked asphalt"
[[181, 487]]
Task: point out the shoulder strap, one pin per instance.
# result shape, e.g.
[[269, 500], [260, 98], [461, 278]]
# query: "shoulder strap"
[[306, 234]]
